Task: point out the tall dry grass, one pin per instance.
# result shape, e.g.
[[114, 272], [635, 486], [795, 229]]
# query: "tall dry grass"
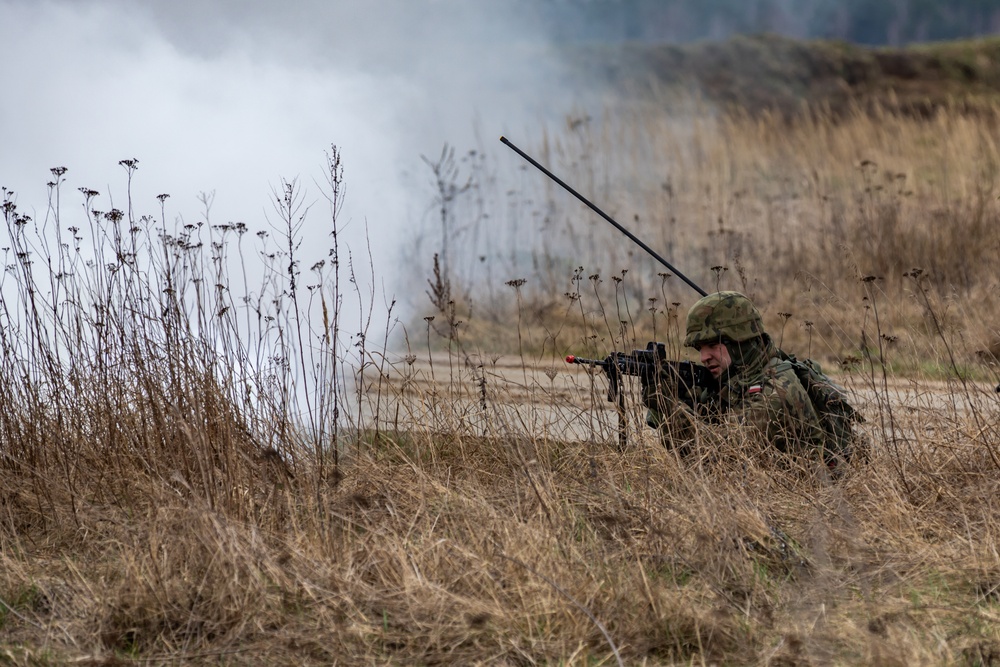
[[192, 472], [795, 214]]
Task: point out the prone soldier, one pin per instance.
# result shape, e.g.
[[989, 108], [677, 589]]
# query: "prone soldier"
[[788, 403]]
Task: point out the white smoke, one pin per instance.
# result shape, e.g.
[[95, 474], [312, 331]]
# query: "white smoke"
[[231, 97]]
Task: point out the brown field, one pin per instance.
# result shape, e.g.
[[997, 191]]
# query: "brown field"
[[471, 527], [187, 477], [852, 234]]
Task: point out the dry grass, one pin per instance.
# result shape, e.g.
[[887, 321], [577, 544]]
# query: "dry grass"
[[795, 214], [448, 547], [190, 476]]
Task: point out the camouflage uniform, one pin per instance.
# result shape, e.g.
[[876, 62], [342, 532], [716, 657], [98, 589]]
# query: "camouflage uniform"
[[760, 390]]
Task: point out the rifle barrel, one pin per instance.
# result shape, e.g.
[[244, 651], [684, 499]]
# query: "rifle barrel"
[[571, 359], [604, 215]]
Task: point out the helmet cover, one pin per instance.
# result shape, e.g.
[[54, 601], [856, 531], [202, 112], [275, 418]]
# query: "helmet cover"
[[722, 315]]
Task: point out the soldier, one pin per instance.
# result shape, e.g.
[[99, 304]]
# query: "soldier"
[[758, 388]]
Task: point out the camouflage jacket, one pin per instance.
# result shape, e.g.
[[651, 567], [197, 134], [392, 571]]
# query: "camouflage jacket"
[[765, 397]]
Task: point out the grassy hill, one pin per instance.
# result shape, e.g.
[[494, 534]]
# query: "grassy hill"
[[769, 72]]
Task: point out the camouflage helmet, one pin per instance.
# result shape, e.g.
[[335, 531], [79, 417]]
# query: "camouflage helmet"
[[721, 315]]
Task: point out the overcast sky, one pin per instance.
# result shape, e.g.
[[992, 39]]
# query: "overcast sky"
[[232, 96]]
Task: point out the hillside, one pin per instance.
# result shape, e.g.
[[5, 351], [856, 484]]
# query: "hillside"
[[769, 72], [871, 22]]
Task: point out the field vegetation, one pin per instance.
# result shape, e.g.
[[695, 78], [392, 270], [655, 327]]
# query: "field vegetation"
[[832, 216], [198, 466]]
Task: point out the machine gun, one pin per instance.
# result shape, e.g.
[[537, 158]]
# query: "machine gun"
[[680, 379], [651, 365]]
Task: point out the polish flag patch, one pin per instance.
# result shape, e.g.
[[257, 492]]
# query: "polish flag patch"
[[756, 389]]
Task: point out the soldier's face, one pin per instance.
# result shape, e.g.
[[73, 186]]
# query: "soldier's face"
[[715, 357]]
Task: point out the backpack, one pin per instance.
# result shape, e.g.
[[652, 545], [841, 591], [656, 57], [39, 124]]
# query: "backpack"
[[836, 414]]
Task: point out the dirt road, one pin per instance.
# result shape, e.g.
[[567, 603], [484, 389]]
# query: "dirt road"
[[504, 396]]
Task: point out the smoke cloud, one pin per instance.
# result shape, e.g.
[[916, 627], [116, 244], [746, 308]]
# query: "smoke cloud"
[[232, 97]]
